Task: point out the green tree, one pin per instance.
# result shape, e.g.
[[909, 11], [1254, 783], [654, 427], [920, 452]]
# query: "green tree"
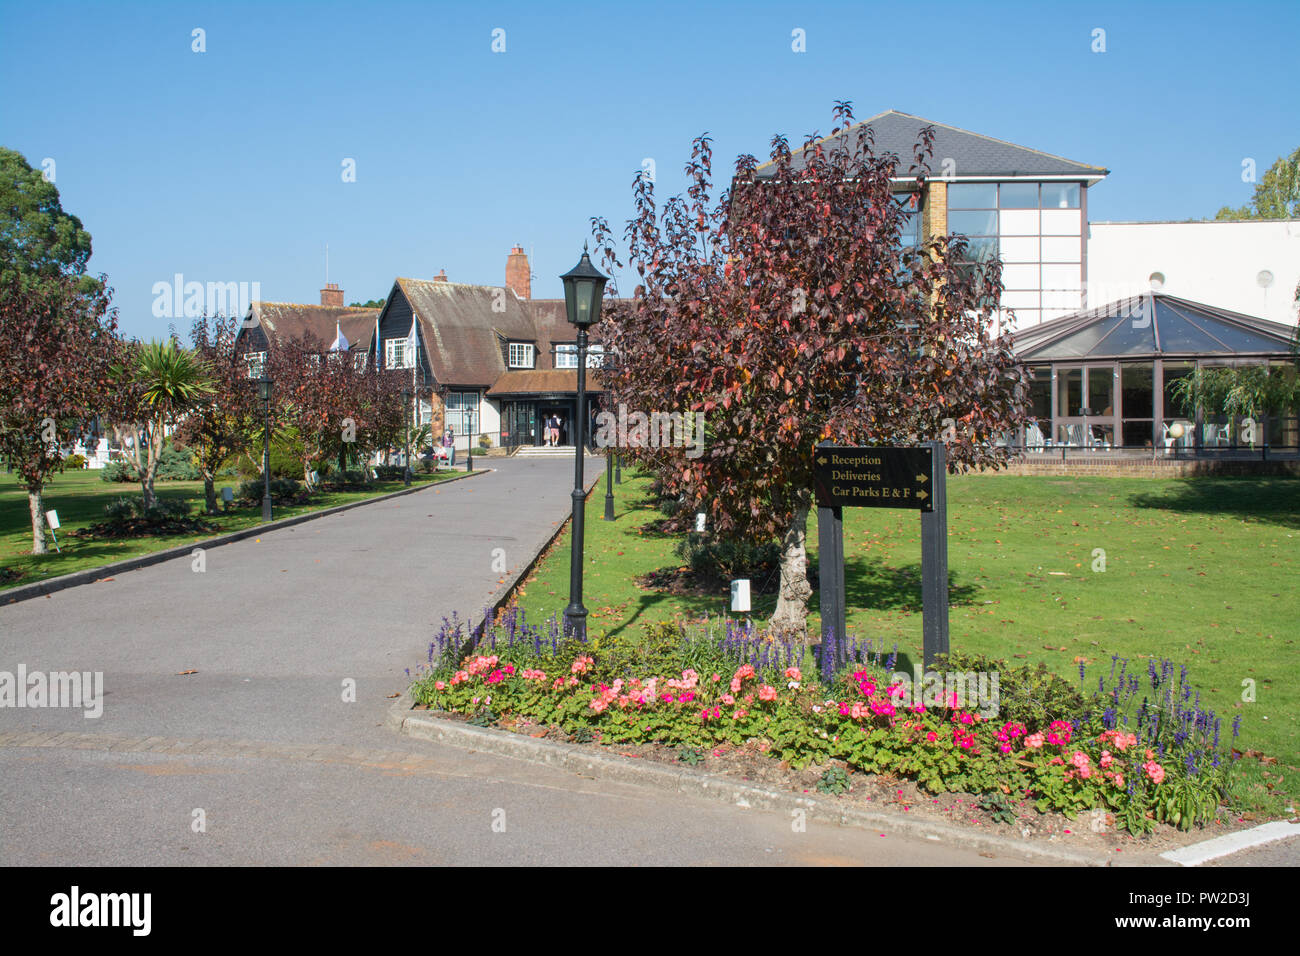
[[38, 240], [1277, 194], [372, 304], [156, 385]]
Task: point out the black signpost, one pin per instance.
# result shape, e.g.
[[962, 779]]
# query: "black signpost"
[[856, 477]]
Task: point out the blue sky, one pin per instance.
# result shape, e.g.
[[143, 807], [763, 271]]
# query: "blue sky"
[[226, 166]]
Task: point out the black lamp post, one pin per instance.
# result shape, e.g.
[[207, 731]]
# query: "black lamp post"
[[264, 385], [469, 437], [584, 286], [406, 420], [618, 468]]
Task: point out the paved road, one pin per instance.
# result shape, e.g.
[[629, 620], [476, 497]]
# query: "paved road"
[[261, 740]]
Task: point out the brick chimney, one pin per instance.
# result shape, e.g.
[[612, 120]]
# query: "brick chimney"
[[518, 275], [332, 295], [441, 276]]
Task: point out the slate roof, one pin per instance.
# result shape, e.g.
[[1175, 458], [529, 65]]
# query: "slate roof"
[[291, 320], [466, 328], [463, 336], [1176, 327], [974, 154]]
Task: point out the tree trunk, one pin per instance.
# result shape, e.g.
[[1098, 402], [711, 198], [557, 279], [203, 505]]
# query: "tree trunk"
[[210, 491], [306, 474], [37, 505], [791, 614], [149, 473]]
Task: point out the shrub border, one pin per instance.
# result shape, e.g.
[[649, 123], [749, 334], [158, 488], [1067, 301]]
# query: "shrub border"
[[25, 592]]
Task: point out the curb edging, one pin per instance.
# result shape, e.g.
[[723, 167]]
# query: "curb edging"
[[25, 592], [581, 760]]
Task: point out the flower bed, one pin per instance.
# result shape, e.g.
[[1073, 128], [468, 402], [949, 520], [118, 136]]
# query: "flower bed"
[[1139, 748]]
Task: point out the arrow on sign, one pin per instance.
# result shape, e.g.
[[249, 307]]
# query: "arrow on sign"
[[922, 478], [922, 495], [821, 460]]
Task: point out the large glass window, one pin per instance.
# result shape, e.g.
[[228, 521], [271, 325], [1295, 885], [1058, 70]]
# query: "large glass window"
[[1018, 196], [1069, 392], [1101, 392], [1061, 195], [973, 222], [910, 234], [1137, 402], [973, 196]]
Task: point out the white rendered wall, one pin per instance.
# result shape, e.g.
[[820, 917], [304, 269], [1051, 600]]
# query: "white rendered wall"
[[1218, 263]]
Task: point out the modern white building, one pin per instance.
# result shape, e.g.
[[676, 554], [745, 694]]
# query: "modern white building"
[[1252, 267]]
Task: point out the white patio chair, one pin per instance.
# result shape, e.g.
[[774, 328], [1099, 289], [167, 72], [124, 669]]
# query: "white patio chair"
[[1034, 437]]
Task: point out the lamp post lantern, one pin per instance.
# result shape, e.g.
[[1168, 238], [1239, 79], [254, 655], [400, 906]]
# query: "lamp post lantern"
[[264, 386], [584, 287], [469, 437]]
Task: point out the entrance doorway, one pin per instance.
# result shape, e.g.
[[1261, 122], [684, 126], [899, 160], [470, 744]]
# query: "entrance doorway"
[[555, 417]]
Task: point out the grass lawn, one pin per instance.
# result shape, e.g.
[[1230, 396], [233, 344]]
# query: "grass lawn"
[[1201, 571], [80, 497]]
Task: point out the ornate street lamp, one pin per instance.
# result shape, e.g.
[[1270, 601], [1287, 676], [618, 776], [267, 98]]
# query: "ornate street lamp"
[[264, 386], [584, 287], [469, 436], [406, 420]]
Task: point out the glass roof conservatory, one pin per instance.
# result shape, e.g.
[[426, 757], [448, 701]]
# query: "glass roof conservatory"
[[1106, 378]]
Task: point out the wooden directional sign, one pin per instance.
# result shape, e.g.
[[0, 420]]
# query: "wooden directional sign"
[[855, 477]]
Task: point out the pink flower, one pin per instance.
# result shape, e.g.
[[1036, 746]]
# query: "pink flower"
[[439, 685], [735, 685], [1034, 741], [793, 673], [1154, 771], [1079, 759], [1106, 759], [495, 677], [767, 692], [1005, 748], [932, 736], [728, 699]]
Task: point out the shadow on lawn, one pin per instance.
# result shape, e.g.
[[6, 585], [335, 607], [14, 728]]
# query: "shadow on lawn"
[[1272, 500], [869, 584]]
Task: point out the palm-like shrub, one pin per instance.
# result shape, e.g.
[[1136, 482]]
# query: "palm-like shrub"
[[158, 382]]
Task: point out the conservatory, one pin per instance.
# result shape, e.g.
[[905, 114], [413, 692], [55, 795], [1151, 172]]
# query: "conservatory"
[[1110, 380]]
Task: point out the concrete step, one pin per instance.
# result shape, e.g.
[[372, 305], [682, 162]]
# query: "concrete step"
[[543, 451]]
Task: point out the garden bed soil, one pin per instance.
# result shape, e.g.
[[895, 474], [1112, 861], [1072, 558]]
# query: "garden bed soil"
[[144, 528], [749, 764]]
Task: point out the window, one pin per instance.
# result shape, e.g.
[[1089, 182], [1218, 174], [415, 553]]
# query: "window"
[[521, 355], [566, 356], [426, 411], [910, 234], [256, 363], [360, 360], [398, 353], [461, 409], [1060, 195]]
